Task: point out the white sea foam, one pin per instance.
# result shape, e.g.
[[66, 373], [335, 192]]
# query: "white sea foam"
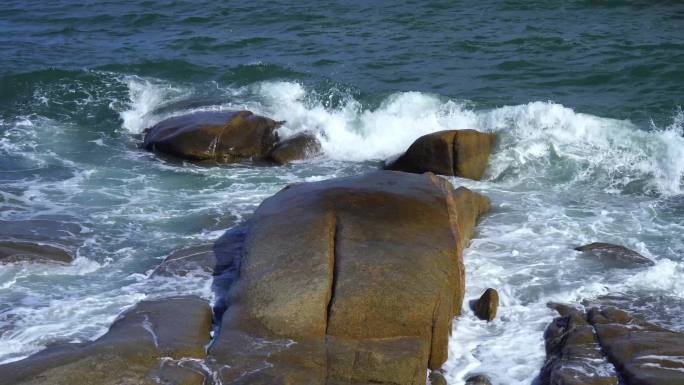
[[145, 96], [536, 140], [557, 179]]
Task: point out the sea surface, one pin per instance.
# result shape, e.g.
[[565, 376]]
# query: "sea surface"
[[585, 96]]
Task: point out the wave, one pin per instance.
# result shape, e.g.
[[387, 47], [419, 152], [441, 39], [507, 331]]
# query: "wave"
[[539, 142]]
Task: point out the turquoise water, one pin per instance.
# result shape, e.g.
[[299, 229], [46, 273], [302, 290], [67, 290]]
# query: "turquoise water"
[[585, 97]]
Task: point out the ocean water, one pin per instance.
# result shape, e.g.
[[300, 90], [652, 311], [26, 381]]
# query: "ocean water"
[[585, 97]]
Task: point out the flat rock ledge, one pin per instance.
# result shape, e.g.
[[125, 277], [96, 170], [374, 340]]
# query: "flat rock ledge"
[[602, 345], [461, 153], [148, 344]]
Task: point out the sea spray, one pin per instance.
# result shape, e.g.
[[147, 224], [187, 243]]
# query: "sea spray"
[[540, 142]]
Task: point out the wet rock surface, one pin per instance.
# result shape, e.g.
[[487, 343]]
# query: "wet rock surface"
[[345, 281], [436, 377], [333, 286], [607, 344], [11, 251], [214, 136], [298, 147], [486, 306], [461, 153], [573, 352], [148, 343], [615, 255]]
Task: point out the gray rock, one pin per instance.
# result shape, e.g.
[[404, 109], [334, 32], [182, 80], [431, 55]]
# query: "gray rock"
[[479, 379], [485, 307], [12, 251], [615, 255]]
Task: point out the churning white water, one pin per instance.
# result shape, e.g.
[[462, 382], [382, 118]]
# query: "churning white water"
[[557, 179]]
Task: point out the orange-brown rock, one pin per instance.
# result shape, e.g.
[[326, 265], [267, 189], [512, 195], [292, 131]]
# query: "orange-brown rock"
[[365, 272], [298, 147], [615, 255], [461, 153], [214, 136], [144, 346]]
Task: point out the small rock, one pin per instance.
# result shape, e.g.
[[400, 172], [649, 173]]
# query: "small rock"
[[437, 378], [615, 255], [485, 307], [479, 379], [298, 147]]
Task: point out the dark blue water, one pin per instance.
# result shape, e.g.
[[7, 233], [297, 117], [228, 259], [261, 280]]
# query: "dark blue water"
[[585, 97], [612, 58]]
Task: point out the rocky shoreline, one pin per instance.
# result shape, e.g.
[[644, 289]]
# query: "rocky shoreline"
[[345, 281]]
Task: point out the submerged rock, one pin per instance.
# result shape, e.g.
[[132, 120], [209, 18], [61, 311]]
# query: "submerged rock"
[[216, 136], [196, 259], [461, 153], [42, 230], [485, 307], [298, 147], [479, 379], [636, 351], [12, 251], [615, 255], [146, 345], [351, 280], [209, 259]]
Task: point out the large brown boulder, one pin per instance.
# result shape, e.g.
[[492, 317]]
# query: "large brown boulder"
[[214, 136], [636, 351], [461, 153], [298, 147], [147, 344], [351, 280]]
